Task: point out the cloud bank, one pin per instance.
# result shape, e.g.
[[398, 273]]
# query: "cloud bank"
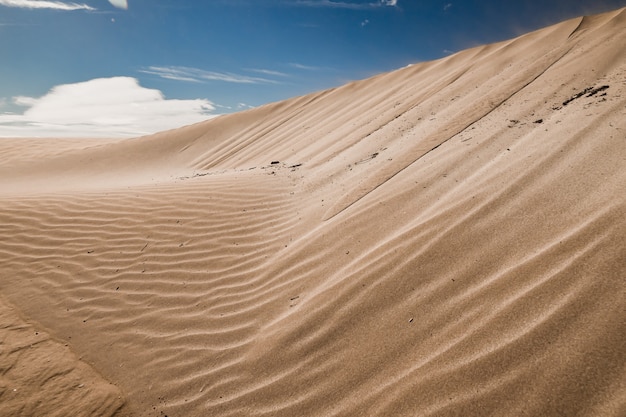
[[44, 4], [104, 107]]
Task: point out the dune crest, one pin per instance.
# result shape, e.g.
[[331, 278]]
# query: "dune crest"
[[445, 239]]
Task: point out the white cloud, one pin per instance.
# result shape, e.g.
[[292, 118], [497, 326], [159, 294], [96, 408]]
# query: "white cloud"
[[103, 107], [198, 75], [447, 6], [45, 4], [120, 4], [24, 101]]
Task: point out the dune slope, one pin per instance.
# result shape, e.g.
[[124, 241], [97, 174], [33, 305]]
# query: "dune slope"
[[446, 239]]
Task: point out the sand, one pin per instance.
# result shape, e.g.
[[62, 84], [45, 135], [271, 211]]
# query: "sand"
[[448, 239]]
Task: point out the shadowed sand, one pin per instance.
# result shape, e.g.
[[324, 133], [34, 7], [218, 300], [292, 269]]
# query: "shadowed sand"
[[447, 239]]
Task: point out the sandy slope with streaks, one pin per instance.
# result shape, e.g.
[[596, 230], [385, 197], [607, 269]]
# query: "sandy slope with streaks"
[[446, 239]]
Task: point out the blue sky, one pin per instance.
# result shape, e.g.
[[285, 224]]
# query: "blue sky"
[[130, 67]]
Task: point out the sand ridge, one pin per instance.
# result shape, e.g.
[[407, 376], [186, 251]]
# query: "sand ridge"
[[445, 239]]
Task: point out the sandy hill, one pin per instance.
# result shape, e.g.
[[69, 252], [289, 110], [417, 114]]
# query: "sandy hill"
[[448, 239]]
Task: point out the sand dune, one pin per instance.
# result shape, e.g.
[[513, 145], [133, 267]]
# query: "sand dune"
[[446, 239]]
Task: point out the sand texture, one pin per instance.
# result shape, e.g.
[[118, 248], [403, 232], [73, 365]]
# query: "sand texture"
[[448, 239]]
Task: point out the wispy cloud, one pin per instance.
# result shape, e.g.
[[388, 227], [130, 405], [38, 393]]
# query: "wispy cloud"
[[45, 4], [172, 73], [103, 107], [269, 72], [447, 7], [120, 4], [305, 67], [346, 4], [197, 75]]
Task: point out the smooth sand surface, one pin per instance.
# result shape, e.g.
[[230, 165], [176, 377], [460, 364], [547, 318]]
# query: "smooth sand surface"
[[448, 239]]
